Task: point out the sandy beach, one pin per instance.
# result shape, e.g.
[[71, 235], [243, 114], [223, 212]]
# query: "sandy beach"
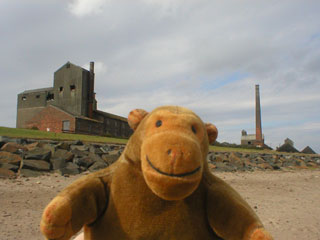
[[287, 202]]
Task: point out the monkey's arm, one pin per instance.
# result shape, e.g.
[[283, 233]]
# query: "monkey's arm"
[[80, 203], [229, 214]]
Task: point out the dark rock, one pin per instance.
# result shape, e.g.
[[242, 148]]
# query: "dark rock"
[[235, 160], [79, 147], [114, 152], [30, 173], [70, 169], [95, 157], [38, 154], [50, 147], [38, 165], [95, 150], [7, 157], [13, 147], [32, 146], [83, 162], [312, 164], [264, 166], [97, 165], [224, 167], [77, 142], [63, 145], [276, 166], [105, 149], [109, 159], [301, 163], [6, 173], [268, 157], [78, 153], [9, 166], [58, 163], [61, 153]]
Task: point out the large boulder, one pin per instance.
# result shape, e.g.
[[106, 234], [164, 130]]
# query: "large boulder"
[[38, 165], [13, 147], [83, 161], [70, 169], [38, 154], [58, 163], [97, 166], [61, 153], [7, 157], [9, 166], [30, 173]]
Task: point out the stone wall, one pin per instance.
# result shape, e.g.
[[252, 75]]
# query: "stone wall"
[[30, 158]]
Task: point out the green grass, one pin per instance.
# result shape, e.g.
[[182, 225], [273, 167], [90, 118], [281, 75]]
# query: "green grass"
[[238, 149], [36, 134]]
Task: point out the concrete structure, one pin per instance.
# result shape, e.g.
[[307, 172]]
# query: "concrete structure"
[[69, 106], [258, 138]]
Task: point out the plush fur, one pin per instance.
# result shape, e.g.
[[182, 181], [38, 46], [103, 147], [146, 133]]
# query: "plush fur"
[[160, 188]]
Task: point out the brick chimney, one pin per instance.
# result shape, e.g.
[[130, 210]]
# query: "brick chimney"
[[91, 95], [259, 140]]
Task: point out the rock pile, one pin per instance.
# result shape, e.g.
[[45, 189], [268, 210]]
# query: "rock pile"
[[32, 158], [236, 161]]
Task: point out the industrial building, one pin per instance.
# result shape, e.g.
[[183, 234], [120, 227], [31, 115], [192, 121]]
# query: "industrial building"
[[69, 106]]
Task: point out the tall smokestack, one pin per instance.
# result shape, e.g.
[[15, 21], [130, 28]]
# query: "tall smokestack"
[[91, 98], [258, 118]]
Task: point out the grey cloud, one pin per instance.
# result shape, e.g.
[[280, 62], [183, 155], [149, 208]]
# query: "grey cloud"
[[171, 52]]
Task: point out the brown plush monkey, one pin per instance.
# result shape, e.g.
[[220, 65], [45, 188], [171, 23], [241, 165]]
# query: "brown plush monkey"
[[160, 188]]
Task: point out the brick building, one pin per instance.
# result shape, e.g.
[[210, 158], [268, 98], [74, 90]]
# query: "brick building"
[[69, 106]]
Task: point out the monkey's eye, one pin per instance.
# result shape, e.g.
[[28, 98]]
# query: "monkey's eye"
[[158, 123], [194, 130]]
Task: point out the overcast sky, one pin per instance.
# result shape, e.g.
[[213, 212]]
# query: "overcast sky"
[[205, 55]]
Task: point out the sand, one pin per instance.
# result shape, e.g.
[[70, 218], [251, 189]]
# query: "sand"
[[288, 202]]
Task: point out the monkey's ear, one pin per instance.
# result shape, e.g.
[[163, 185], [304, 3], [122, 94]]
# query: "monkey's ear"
[[135, 117], [212, 132]]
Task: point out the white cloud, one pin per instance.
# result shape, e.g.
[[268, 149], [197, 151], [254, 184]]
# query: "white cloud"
[[86, 7], [100, 68]]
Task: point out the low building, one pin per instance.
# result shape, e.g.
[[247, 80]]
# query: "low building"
[[250, 139], [69, 106]]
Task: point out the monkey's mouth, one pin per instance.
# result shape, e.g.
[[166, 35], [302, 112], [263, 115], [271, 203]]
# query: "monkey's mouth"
[[172, 174]]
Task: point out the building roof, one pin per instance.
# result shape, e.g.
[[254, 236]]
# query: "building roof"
[[308, 150], [110, 115], [287, 148], [72, 65], [38, 90]]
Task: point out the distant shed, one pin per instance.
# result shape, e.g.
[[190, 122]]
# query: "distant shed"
[[308, 150]]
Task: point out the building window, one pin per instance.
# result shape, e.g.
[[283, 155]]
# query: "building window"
[[24, 98], [61, 89], [66, 125], [38, 96], [72, 87], [50, 96]]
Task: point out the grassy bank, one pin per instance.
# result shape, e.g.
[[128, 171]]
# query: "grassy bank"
[[36, 134]]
